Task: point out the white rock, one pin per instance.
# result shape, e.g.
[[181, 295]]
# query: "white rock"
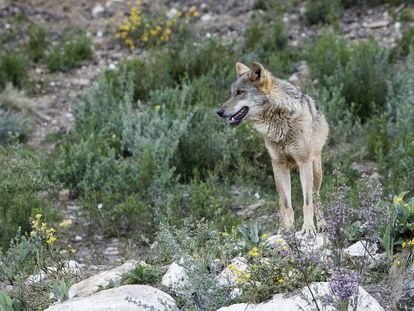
[[70, 266], [176, 278], [227, 276], [97, 10], [206, 17], [78, 238], [303, 301], [359, 249], [112, 67], [94, 283], [125, 298], [307, 244]]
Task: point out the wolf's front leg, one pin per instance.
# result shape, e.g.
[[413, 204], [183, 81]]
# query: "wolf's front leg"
[[282, 179], [306, 179]]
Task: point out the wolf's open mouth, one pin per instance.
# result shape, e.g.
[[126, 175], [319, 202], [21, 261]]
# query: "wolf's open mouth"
[[238, 117]]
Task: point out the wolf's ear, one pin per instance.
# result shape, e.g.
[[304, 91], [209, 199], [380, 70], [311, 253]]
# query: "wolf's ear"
[[241, 69], [257, 73]]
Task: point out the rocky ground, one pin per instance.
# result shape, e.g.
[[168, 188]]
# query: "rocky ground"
[[224, 19]]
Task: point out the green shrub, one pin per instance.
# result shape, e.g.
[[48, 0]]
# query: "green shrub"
[[328, 56], [21, 184], [70, 54], [405, 44], [266, 35], [143, 274], [322, 11], [37, 44], [365, 79], [394, 151], [12, 127], [361, 70], [13, 69]]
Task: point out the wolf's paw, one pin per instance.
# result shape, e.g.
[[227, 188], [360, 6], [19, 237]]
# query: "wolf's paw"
[[308, 230]]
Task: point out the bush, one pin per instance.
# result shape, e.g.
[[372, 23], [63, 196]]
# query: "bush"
[[361, 71], [365, 79], [12, 127], [13, 69], [37, 44], [322, 11], [263, 35], [21, 184], [328, 57], [70, 54]]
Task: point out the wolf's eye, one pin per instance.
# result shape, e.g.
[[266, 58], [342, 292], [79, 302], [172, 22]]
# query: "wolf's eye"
[[239, 92]]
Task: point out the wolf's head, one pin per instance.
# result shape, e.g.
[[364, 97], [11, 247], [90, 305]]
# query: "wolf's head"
[[247, 93]]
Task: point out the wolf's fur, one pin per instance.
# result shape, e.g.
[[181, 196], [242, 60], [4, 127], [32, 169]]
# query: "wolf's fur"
[[294, 131]]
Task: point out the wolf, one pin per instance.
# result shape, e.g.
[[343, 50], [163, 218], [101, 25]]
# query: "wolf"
[[294, 132]]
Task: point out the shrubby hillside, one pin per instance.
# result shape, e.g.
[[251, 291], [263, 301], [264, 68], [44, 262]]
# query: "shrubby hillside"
[[111, 150]]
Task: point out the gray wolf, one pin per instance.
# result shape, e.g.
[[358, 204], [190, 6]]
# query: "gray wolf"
[[294, 132]]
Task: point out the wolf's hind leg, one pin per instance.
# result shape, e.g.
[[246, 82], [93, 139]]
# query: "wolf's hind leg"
[[282, 180], [317, 182]]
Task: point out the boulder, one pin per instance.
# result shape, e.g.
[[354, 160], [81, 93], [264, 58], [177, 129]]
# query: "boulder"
[[125, 298], [303, 301], [175, 278], [95, 283], [229, 275], [361, 249]]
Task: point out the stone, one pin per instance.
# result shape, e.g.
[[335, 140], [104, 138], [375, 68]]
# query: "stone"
[[361, 249], [176, 279], [98, 10], [125, 298], [93, 284], [69, 266], [206, 17], [303, 301], [227, 276], [378, 24]]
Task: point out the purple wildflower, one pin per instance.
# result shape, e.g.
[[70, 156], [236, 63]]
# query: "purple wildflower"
[[344, 284]]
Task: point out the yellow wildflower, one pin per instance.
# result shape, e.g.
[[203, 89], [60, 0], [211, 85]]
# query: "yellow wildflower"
[[254, 252], [153, 32], [196, 14], [130, 43], [114, 136], [158, 107], [403, 244], [279, 241], [285, 248], [44, 226], [247, 276], [123, 34], [35, 223], [51, 230], [239, 279], [51, 240], [145, 38], [167, 31], [38, 216], [73, 251], [281, 280], [32, 233], [398, 262], [66, 223], [411, 242], [193, 9], [398, 199], [179, 13], [264, 236]]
